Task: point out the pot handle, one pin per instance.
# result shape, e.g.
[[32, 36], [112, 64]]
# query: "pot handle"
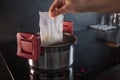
[[68, 27], [28, 46]]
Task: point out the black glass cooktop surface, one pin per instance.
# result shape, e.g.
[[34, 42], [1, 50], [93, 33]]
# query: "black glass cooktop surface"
[[5, 73]]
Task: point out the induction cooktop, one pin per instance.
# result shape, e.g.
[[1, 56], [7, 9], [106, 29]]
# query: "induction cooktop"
[[5, 73]]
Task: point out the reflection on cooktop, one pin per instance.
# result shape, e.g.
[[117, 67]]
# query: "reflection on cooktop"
[[63, 75]]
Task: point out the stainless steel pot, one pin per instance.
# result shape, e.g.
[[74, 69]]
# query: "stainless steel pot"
[[56, 56]]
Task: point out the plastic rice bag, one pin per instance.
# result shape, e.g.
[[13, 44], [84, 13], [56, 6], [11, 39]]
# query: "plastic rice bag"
[[51, 30]]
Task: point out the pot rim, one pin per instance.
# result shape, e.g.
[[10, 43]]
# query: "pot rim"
[[66, 44]]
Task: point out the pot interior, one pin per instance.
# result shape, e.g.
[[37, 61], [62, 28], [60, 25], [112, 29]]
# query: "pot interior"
[[68, 39]]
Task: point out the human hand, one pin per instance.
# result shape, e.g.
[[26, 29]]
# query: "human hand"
[[65, 6]]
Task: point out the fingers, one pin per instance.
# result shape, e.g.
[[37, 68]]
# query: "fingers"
[[54, 6], [54, 13], [56, 9], [57, 12]]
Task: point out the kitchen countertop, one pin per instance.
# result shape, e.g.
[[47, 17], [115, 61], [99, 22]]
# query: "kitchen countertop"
[[110, 74], [92, 56], [110, 35]]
